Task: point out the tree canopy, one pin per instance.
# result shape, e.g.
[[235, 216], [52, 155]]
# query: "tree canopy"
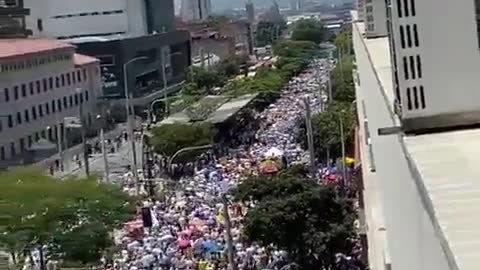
[[169, 138], [312, 222], [267, 32], [343, 87], [73, 217], [326, 129], [309, 30]]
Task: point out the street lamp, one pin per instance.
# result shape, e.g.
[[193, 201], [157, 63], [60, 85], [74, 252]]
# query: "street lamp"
[[104, 150], [164, 77], [129, 121]]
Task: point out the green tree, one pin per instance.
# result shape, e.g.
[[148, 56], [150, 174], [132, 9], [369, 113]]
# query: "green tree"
[[205, 78], [169, 138], [294, 49], [267, 32], [326, 130], [343, 87], [42, 211], [311, 222], [309, 30], [343, 41]]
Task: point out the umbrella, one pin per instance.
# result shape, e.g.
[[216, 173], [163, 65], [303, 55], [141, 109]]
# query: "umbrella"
[[211, 246], [184, 243]]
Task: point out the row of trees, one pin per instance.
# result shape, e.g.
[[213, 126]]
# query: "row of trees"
[[69, 220], [310, 221]]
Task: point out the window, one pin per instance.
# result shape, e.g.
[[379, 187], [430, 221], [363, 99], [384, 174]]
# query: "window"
[[43, 133], [477, 12], [369, 9], [405, 68], [369, 18], [15, 92], [27, 116], [409, 36], [40, 110], [80, 96], [59, 105], [405, 8], [13, 152], [45, 85], [40, 25], [415, 98], [57, 82], [106, 60], [399, 8], [54, 109], [10, 121], [30, 140], [71, 101], [422, 98], [6, 93], [402, 36], [412, 67], [419, 66], [65, 105], [19, 118], [39, 88], [76, 99], [79, 78], [30, 87], [84, 74], [22, 144], [415, 35], [412, 7], [409, 99], [50, 83], [69, 80], [74, 78], [24, 90], [86, 95], [47, 108], [34, 113], [1, 125], [37, 136], [63, 80], [2, 153], [370, 27]]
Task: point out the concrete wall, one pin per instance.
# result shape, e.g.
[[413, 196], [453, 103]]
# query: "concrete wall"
[[449, 51], [376, 18]]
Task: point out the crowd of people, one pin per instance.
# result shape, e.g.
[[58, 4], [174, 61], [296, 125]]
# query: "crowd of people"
[[188, 226]]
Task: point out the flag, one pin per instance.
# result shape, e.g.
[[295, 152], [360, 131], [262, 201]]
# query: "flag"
[[72, 122]]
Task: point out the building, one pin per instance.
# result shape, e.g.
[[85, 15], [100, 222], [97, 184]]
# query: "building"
[[195, 10], [66, 19], [144, 77], [250, 10], [424, 83], [375, 18], [42, 82], [12, 19], [416, 99], [360, 7]]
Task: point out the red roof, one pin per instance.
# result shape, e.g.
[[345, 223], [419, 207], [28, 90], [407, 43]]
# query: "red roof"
[[81, 60], [21, 47]]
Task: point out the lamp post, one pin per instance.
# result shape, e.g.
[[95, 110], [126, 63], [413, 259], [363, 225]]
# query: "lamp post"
[[164, 78], [129, 120]]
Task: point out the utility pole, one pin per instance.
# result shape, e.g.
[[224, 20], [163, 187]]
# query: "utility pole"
[[342, 137], [165, 84], [104, 153], [84, 141], [308, 121], [228, 233], [134, 151]]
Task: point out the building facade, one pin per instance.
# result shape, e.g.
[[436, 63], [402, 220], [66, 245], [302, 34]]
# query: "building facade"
[[250, 10], [144, 77], [360, 6], [66, 19], [12, 19], [375, 18], [41, 83], [195, 10], [435, 74]]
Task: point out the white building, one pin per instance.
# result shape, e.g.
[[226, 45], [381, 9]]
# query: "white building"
[[195, 10], [375, 18], [41, 83], [360, 6], [436, 74]]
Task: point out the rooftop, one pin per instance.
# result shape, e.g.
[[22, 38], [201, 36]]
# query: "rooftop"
[[23, 47], [81, 59], [443, 167]]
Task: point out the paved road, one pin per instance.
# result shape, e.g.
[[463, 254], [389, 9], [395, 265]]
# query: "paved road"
[[411, 240]]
